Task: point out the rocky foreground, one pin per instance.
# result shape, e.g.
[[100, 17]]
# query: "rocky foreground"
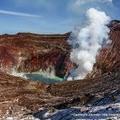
[[21, 98]]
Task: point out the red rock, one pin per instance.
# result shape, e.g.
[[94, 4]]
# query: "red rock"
[[27, 52]]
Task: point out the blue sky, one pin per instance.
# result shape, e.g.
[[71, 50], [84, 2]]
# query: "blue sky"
[[50, 16]]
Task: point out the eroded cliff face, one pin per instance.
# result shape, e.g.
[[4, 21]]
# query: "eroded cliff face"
[[27, 52], [108, 58]]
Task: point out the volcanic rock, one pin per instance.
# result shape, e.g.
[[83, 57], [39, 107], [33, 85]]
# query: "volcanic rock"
[[20, 97], [27, 52]]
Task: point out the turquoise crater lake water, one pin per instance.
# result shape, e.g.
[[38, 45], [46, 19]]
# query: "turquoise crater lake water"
[[44, 78]]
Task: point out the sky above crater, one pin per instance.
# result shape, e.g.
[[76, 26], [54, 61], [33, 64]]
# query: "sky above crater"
[[50, 16]]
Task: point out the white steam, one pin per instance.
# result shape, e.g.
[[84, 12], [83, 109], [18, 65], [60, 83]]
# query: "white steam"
[[88, 41], [18, 74]]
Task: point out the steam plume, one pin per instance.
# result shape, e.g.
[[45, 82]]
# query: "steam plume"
[[88, 40]]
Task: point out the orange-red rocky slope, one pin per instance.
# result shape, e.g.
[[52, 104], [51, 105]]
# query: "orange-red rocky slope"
[[27, 52]]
